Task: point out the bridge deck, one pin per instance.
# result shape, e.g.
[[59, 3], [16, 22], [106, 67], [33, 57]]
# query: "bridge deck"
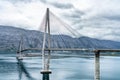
[[108, 50], [73, 49]]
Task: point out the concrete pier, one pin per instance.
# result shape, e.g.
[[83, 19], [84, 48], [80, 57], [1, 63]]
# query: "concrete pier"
[[97, 65], [45, 75]]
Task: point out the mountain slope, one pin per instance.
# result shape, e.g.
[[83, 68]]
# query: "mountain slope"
[[11, 36]]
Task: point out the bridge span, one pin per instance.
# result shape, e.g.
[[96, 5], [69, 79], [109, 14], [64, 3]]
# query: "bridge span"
[[71, 49]]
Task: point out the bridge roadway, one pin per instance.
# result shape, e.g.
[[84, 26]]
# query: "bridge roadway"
[[73, 49], [56, 49]]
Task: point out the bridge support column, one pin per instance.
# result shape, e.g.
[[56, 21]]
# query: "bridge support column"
[[97, 65], [19, 56], [45, 75]]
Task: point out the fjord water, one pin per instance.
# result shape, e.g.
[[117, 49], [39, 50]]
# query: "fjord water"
[[64, 67]]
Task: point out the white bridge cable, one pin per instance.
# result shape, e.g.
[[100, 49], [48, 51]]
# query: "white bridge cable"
[[64, 25], [56, 22], [58, 39], [57, 25], [72, 31], [68, 29], [63, 43]]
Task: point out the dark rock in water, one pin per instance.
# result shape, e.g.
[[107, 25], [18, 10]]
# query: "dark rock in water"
[[11, 36]]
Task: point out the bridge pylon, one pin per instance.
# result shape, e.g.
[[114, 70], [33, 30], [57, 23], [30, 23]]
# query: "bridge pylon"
[[46, 54], [19, 53]]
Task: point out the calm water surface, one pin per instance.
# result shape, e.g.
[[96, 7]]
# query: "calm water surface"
[[62, 66]]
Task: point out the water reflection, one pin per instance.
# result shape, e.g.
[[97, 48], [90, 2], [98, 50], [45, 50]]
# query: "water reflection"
[[63, 66], [22, 70]]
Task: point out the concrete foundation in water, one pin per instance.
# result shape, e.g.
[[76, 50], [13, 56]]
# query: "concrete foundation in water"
[[45, 75]]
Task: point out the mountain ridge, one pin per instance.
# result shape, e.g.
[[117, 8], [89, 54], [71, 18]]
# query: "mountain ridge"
[[10, 37]]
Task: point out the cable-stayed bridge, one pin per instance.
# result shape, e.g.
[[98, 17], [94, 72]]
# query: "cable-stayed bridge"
[[50, 27]]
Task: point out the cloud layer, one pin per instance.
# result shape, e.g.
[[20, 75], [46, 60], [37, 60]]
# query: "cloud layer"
[[93, 18]]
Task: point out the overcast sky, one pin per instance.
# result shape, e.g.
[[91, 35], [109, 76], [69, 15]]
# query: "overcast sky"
[[94, 18]]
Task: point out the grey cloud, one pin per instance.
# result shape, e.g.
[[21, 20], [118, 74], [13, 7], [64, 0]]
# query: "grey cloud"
[[59, 5], [43, 1], [113, 17], [15, 1], [62, 6], [74, 16], [78, 12], [103, 27]]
